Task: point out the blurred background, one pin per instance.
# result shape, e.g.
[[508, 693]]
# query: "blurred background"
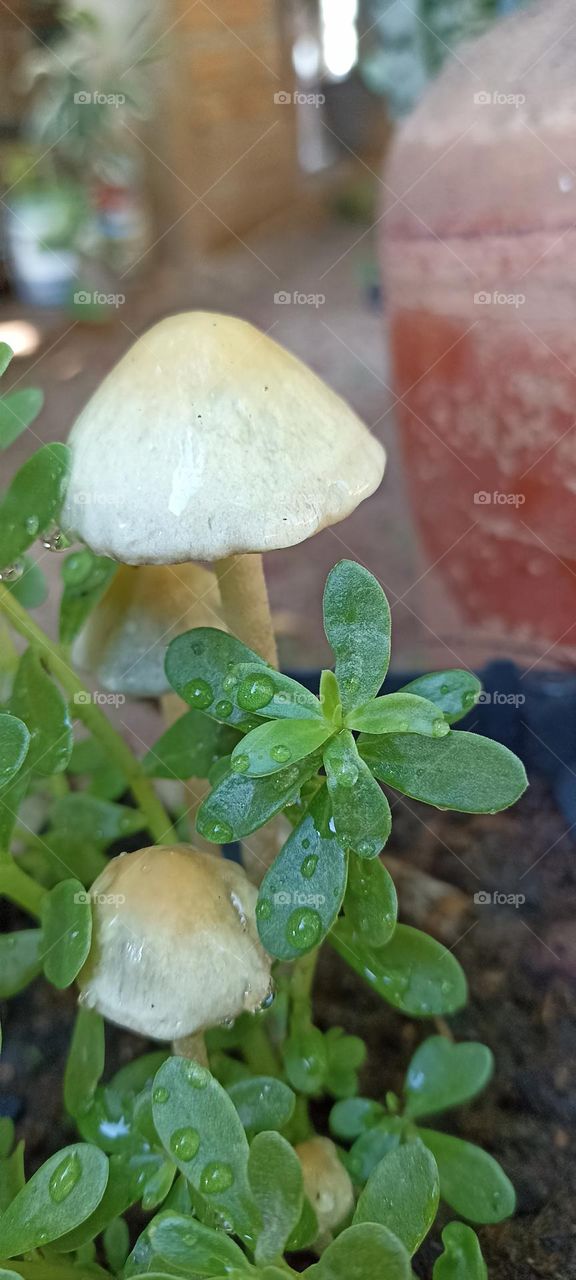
[[384, 186]]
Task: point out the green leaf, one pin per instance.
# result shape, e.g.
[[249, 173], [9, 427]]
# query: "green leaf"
[[462, 1258], [371, 902], [402, 1193], [330, 703], [262, 1103], [454, 692], [442, 1075], [200, 667], [32, 501], [65, 856], [98, 821], [202, 1132], [270, 693], [138, 1074], [363, 1252], [189, 747], [40, 704], [306, 1060], [6, 355], [67, 929], [116, 1243], [194, 1249], [20, 960], [301, 895], [14, 744], [305, 1233], [239, 805], [357, 626], [86, 577], [463, 771], [361, 811], [17, 411], [121, 1192], [271, 747], [85, 1063], [353, 1116], [399, 713], [471, 1181], [275, 1176], [345, 1055], [12, 1176], [371, 1147], [31, 589], [413, 972], [61, 1195]]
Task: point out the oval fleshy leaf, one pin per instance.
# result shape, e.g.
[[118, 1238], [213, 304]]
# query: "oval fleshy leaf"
[[67, 930], [14, 744], [371, 902], [330, 703], [367, 1249], [20, 960], [300, 896], [353, 1116], [271, 747], [33, 501], [203, 1134], [85, 1063], [442, 1074], [98, 821], [403, 1194], [194, 1249], [357, 626], [371, 1147], [413, 972], [462, 1257], [471, 1181], [271, 694], [200, 667], [189, 748], [262, 1103], [399, 713], [361, 811], [276, 1182], [39, 702], [61, 1195], [453, 692], [462, 771], [86, 577], [239, 805]]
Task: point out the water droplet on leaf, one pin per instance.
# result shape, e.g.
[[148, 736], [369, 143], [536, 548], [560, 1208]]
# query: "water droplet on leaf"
[[255, 692], [184, 1143], [309, 866], [160, 1094], [215, 1178], [197, 1075], [198, 694], [281, 754], [224, 708], [303, 928], [239, 764], [64, 1178]]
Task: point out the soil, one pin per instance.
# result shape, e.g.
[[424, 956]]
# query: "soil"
[[521, 964]]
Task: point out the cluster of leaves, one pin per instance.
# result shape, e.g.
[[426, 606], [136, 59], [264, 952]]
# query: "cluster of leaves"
[[209, 1155]]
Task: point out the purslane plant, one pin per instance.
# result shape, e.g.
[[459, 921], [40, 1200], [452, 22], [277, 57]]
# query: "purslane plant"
[[216, 1143]]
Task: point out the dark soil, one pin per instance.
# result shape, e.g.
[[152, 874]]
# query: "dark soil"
[[521, 965]]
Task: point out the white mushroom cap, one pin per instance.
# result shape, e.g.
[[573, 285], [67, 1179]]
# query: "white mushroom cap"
[[124, 641], [209, 439], [175, 947], [326, 1182]]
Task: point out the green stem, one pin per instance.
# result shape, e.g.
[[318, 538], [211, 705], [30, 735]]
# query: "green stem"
[[21, 888], [301, 983], [86, 710], [258, 1052]]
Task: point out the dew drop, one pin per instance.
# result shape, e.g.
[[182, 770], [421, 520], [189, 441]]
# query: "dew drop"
[[224, 708], [347, 773], [32, 524], [64, 1178], [219, 832], [264, 909], [268, 1000], [444, 689], [197, 1075], [255, 692], [184, 1143], [281, 754], [12, 573], [351, 684], [309, 866], [198, 694], [365, 848], [440, 728], [216, 1177], [229, 683], [160, 1094], [303, 928], [239, 764], [54, 540]]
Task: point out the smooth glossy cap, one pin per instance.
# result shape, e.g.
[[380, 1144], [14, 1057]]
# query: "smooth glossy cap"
[[175, 947], [208, 439], [125, 639]]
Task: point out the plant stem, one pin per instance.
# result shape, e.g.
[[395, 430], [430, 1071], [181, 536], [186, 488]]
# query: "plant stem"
[[21, 888], [142, 789], [258, 1051], [301, 982]]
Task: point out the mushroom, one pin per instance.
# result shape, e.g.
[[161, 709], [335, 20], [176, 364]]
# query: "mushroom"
[[175, 946], [124, 641], [326, 1184], [209, 441]]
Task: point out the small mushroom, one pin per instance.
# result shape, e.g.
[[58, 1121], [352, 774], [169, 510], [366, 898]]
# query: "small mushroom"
[[326, 1184], [209, 441], [175, 947], [124, 641]]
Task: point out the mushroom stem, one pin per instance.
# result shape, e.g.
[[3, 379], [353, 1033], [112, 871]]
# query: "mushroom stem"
[[245, 600], [193, 1047]]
